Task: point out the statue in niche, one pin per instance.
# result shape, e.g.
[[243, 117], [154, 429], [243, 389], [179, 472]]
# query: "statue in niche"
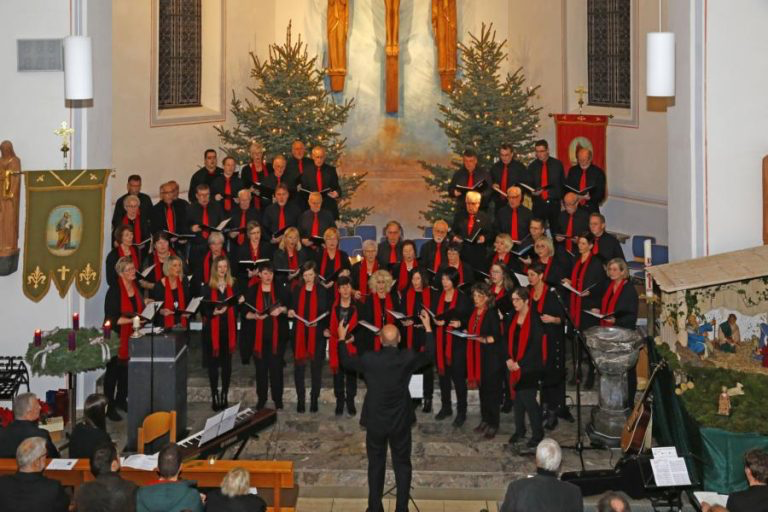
[[392, 50], [444, 27], [10, 173], [338, 26]]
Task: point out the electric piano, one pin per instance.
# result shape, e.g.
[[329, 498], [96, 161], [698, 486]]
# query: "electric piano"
[[248, 424]]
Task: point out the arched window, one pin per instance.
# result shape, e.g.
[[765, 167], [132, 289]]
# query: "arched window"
[[608, 53], [179, 54]]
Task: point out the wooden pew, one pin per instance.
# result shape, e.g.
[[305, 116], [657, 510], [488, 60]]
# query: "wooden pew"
[[274, 479]]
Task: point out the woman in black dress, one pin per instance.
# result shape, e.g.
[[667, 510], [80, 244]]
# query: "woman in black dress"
[[345, 310], [377, 309], [91, 433], [417, 296], [173, 292], [288, 260], [256, 248]]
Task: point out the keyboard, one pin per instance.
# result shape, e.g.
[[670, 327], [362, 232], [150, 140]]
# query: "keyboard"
[[248, 423]]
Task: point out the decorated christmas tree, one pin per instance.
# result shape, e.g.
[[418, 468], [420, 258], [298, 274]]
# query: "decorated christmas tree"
[[290, 102], [483, 111]]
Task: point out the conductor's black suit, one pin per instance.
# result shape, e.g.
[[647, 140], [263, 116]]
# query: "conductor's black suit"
[[389, 414]]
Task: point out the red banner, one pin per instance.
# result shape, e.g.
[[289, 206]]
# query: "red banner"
[[575, 131]]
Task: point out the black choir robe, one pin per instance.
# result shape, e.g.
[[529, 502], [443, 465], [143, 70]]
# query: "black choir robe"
[[416, 330], [295, 168], [531, 364], [330, 266], [270, 219], [109, 266], [159, 220], [202, 176], [253, 173], [516, 173], [330, 179], [145, 230], [461, 177], [324, 304], [384, 250], [272, 181], [365, 340], [324, 221], [156, 273], [248, 327], [580, 225], [145, 207], [595, 179], [356, 277], [554, 367], [206, 311], [195, 217], [158, 294], [428, 254], [245, 253], [474, 253], [492, 355], [504, 221], [240, 218], [219, 187], [595, 275], [625, 311], [466, 277], [555, 178], [607, 247], [280, 261]]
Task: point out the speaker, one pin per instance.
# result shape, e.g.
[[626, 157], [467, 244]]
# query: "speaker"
[[39, 55]]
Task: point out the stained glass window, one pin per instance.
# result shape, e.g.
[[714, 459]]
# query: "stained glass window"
[[179, 53], [608, 53]]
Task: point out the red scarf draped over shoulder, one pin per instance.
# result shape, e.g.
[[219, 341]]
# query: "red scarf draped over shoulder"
[[522, 344], [133, 253], [410, 310], [215, 322], [207, 264], [127, 305], [474, 357], [610, 297], [258, 338], [577, 282], [402, 278], [333, 348], [540, 310], [306, 347], [170, 320], [444, 340], [377, 316]]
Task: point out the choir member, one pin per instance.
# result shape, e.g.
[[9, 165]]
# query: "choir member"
[[571, 221], [501, 285], [473, 229], [242, 214], [314, 221], [555, 266], [202, 267], [226, 186], [537, 229], [321, 177], [432, 256], [298, 161], [205, 174], [133, 189], [173, 292], [256, 249], [332, 262], [363, 269], [502, 253], [264, 334], [513, 218], [280, 215], [276, 177], [416, 297], [550, 312], [122, 303], [548, 179], [465, 271], [586, 175], [588, 279], [390, 249], [485, 358], [450, 306], [506, 172], [470, 177], [219, 329], [382, 300], [403, 270], [170, 215], [203, 216], [525, 365], [309, 302], [344, 311], [606, 245], [137, 221], [123, 246], [161, 251], [289, 258]]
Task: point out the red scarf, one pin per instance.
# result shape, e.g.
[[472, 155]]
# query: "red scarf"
[[544, 181], [302, 348], [522, 344], [569, 234], [496, 258], [470, 225], [169, 218], [207, 265], [474, 364], [378, 314], [242, 225], [206, 222], [438, 257], [364, 275], [444, 339], [315, 225], [254, 256], [326, 258], [319, 177], [170, 320], [547, 268], [577, 282], [127, 306], [281, 218], [410, 304], [131, 252], [610, 297], [136, 223], [402, 277], [393, 253], [230, 323], [333, 348], [504, 179], [540, 310], [499, 294], [583, 184], [513, 226], [227, 194], [158, 270], [258, 338]]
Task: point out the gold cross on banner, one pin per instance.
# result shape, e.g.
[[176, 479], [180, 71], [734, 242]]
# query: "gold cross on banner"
[[63, 271]]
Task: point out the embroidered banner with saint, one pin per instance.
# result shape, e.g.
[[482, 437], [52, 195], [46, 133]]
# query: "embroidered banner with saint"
[[64, 231]]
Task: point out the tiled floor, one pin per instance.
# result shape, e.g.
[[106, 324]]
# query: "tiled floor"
[[357, 505]]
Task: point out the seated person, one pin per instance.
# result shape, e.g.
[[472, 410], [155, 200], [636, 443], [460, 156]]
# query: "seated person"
[[728, 334], [28, 489], [92, 431], [754, 498], [108, 492], [26, 414], [697, 335], [234, 496], [543, 492], [613, 502], [168, 493]]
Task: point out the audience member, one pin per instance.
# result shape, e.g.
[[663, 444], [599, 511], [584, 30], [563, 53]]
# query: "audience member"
[[109, 492], [613, 502], [26, 414], [28, 489], [168, 493], [92, 431], [755, 497], [234, 496]]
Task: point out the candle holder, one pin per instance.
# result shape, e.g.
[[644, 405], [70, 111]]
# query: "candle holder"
[[136, 327]]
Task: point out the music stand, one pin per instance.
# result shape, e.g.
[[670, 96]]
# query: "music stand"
[[389, 492]]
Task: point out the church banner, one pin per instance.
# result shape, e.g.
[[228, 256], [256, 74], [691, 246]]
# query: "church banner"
[[63, 231], [575, 131]]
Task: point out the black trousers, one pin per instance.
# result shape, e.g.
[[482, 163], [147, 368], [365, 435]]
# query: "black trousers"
[[505, 394], [221, 364], [429, 382], [316, 371], [456, 375], [344, 385], [490, 397], [116, 380], [525, 402], [553, 395], [400, 446], [269, 373]]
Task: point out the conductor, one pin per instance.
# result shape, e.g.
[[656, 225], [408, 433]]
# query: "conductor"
[[388, 407]]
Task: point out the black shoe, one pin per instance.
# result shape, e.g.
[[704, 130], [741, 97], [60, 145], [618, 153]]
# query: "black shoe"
[[550, 423], [279, 405], [507, 407], [313, 407], [215, 404], [533, 443], [427, 407], [122, 405], [565, 414], [260, 405], [516, 437], [351, 409], [490, 432], [224, 399], [301, 406], [443, 413], [590, 384], [339, 408], [481, 427], [112, 414], [459, 420]]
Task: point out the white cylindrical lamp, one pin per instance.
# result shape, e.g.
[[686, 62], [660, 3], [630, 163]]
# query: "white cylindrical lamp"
[[78, 68], [660, 64]]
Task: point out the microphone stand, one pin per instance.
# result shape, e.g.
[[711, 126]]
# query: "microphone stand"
[[581, 348]]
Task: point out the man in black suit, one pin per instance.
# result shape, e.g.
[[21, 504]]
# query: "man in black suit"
[[585, 175], [474, 230], [544, 492], [170, 214], [108, 491], [755, 498], [319, 177], [298, 161], [27, 489], [471, 177], [26, 414], [314, 221], [280, 215], [388, 410], [513, 218], [606, 245], [507, 171], [134, 188], [433, 255], [205, 174], [548, 178], [390, 250]]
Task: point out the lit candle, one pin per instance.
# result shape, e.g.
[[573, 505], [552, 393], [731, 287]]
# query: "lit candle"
[[107, 329], [136, 322], [75, 321], [71, 343], [38, 337]]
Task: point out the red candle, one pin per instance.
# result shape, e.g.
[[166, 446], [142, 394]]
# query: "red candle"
[[38, 337], [71, 343], [107, 329], [76, 321]]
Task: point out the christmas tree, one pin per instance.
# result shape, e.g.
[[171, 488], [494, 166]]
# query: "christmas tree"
[[291, 102], [483, 111]]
